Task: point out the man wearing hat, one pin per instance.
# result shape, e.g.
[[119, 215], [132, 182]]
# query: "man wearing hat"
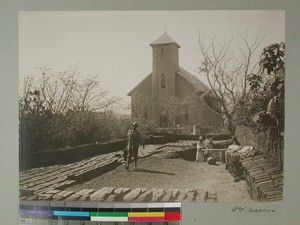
[[134, 141], [200, 149]]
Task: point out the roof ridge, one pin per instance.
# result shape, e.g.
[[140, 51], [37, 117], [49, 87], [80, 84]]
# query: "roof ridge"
[[165, 39], [195, 81], [143, 80]]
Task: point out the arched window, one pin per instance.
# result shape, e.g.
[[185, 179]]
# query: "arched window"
[[163, 81]]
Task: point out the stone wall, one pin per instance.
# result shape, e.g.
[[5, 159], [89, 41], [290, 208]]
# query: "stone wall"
[[78, 153], [247, 137], [262, 142], [68, 155]]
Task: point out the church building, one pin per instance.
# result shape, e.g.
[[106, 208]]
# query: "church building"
[[168, 79]]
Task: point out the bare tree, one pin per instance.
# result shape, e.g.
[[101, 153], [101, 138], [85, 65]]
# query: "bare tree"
[[59, 109], [227, 68], [67, 90], [174, 106], [90, 96], [140, 105]]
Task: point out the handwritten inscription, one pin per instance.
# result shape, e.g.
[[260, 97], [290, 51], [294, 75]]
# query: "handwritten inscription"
[[240, 209]]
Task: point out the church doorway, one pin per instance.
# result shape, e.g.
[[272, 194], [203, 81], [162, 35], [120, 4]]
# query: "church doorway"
[[163, 121]]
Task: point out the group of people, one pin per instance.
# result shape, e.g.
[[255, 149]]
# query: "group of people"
[[135, 139], [203, 146]]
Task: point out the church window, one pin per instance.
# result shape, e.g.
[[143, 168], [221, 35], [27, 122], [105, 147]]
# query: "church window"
[[163, 81], [162, 51]]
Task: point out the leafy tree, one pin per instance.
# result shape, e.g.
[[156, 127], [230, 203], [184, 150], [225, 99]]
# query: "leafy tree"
[[269, 82], [263, 109]]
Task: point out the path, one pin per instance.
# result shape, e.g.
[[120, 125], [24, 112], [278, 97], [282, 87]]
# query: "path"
[[160, 173], [103, 178]]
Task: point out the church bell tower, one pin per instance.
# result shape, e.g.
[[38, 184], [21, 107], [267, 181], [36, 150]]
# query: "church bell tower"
[[165, 63]]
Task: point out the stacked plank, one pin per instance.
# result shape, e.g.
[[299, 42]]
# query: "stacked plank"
[[45, 180], [222, 144], [190, 143], [265, 182], [109, 194], [149, 150], [184, 143], [35, 181], [233, 164]]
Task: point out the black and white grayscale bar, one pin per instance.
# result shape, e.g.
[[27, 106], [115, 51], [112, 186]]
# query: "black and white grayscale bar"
[[101, 213]]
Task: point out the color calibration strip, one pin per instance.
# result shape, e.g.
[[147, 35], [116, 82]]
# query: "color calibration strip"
[[135, 212]]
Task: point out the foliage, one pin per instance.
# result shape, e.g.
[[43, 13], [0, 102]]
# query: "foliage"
[[265, 103], [168, 131], [214, 103], [146, 127], [253, 104], [59, 109]]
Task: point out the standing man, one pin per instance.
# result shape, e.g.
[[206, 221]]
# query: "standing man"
[[201, 146], [134, 141]]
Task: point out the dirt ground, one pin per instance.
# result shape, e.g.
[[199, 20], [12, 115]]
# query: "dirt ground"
[[176, 173]]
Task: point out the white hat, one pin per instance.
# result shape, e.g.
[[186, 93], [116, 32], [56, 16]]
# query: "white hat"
[[135, 124]]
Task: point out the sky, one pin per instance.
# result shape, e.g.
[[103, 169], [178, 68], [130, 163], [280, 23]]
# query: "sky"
[[116, 44]]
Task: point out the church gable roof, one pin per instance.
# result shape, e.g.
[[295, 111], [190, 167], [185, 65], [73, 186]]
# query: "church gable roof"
[[164, 39], [193, 80], [142, 82]]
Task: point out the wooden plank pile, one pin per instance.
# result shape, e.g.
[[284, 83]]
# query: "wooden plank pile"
[[222, 144], [183, 143], [44, 180], [149, 150], [233, 164], [62, 176], [265, 182]]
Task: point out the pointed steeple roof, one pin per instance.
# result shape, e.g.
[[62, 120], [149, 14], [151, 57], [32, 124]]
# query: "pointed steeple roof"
[[164, 39]]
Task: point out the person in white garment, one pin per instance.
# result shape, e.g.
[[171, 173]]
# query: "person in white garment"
[[201, 146]]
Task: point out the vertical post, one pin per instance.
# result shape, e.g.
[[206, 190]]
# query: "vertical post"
[[222, 156]]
